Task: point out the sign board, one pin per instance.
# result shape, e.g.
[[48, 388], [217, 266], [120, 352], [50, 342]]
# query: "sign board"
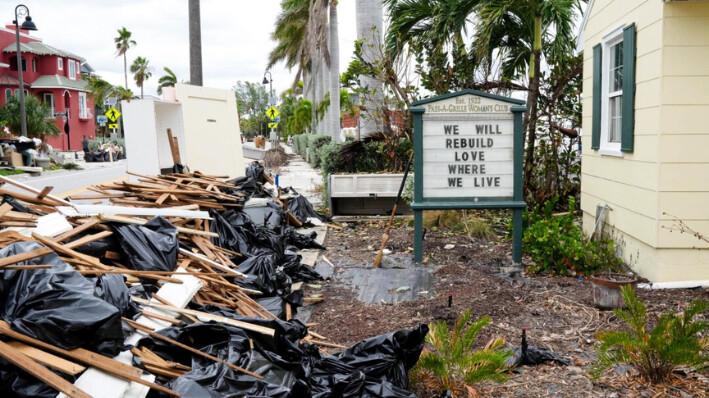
[[113, 126], [113, 114], [272, 100], [468, 154], [272, 112], [110, 101], [272, 125], [101, 118]]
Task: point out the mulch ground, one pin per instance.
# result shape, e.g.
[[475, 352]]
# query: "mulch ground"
[[558, 313]]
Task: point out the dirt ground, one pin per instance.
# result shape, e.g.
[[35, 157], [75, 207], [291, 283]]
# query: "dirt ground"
[[558, 313]]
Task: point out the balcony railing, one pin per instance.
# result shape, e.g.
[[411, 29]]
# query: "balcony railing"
[[85, 113]]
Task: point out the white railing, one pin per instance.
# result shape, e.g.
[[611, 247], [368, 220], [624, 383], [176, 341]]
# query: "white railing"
[[85, 113]]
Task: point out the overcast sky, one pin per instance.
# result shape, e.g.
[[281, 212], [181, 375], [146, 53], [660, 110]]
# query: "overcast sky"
[[235, 36]]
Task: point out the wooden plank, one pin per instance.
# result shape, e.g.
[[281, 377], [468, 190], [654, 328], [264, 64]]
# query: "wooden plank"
[[16, 258], [6, 207], [34, 191], [43, 194], [90, 358], [211, 263], [200, 314], [130, 220], [81, 228], [88, 239], [93, 261], [52, 379], [177, 150], [173, 149], [47, 359]]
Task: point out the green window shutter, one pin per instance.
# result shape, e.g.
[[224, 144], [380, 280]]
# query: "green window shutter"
[[628, 124], [597, 96]]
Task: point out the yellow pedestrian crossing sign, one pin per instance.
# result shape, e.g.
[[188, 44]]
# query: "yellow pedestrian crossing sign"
[[272, 125], [272, 112], [113, 125], [113, 114]]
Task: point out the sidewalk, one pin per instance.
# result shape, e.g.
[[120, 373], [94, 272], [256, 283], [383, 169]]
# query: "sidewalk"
[[300, 175]]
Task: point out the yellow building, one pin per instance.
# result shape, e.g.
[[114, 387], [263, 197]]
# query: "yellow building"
[[646, 133]]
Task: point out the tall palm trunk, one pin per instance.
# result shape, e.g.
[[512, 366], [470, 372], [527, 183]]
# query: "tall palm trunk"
[[369, 30], [534, 73], [125, 69], [334, 126], [195, 43]]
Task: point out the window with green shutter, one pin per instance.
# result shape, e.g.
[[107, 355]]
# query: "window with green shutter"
[[614, 92]]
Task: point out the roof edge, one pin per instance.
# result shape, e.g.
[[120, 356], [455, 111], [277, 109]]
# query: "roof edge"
[[472, 92], [584, 21]]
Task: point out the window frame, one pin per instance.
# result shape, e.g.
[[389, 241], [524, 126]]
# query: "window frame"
[[52, 102], [609, 40], [83, 111], [8, 94], [60, 63], [34, 64], [72, 69]]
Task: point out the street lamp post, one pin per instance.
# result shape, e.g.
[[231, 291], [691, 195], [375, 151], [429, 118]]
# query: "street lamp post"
[[269, 81], [27, 25]]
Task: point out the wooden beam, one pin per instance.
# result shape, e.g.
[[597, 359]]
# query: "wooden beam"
[[48, 359], [52, 379], [16, 258], [98, 361]]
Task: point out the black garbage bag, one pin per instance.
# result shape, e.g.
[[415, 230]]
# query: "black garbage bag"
[[385, 358], [277, 305], [294, 238], [265, 241], [264, 275], [232, 235], [293, 267], [274, 217], [149, 247], [533, 355], [57, 305], [220, 381], [302, 209], [249, 184], [112, 289], [357, 385]]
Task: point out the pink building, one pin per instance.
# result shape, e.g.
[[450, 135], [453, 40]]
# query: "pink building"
[[54, 76]]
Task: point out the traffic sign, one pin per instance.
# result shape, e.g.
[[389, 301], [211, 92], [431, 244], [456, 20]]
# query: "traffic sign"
[[272, 125], [272, 112], [113, 114], [101, 118], [113, 126], [111, 101]]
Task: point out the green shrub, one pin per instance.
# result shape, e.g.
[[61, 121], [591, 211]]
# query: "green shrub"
[[452, 364], [655, 354], [300, 142], [315, 141], [557, 244], [328, 157]]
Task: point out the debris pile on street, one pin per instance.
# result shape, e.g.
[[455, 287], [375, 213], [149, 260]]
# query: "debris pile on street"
[[174, 285]]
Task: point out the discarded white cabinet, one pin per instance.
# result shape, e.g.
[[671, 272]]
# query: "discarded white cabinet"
[[204, 121]]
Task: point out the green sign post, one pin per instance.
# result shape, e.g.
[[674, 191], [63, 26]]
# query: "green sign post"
[[468, 155]]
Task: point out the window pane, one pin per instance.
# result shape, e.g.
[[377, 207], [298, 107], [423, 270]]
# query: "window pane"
[[615, 118], [616, 68]]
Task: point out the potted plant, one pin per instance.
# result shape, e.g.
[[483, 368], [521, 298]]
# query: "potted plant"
[[607, 284]]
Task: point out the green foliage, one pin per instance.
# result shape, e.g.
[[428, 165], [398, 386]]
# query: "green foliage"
[[141, 71], [452, 364], [169, 79], [40, 122], [557, 244], [329, 157], [11, 172], [71, 166], [373, 156], [315, 141], [300, 143], [673, 342]]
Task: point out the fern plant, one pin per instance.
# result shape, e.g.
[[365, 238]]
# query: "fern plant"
[[655, 354], [452, 364]]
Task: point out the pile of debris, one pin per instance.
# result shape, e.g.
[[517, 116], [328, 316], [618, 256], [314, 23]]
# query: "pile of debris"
[[174, 285]]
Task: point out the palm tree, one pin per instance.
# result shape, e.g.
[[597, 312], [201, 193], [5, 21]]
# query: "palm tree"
[[167, 80], [334, 82], [40, 122], [123, 43], [141, 72], [522, 31], [99, 89]]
